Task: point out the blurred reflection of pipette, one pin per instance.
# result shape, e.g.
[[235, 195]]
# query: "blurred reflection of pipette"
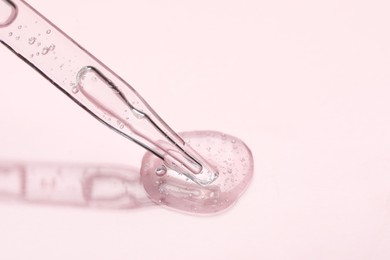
[[75, 185]]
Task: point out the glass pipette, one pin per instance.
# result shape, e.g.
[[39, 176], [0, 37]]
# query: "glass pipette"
[[172, 173], [96, 88]]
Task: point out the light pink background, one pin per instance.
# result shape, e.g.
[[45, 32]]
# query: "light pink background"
[[304, 83]]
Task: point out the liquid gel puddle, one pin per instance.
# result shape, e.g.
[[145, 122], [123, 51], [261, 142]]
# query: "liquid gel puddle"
[[230, 155]]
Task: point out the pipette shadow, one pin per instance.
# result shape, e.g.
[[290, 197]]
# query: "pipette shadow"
[[73, 185]]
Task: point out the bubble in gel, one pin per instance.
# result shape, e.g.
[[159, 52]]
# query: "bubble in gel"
[[226, 155], [10, 34], [52, 47], [19, 27], [161, 171], [48, 31]]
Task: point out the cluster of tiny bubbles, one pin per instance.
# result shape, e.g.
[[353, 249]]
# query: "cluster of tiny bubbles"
[[34, 40], [45, 50]]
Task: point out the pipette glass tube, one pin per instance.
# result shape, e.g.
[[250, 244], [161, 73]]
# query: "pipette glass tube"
[[96, 88]]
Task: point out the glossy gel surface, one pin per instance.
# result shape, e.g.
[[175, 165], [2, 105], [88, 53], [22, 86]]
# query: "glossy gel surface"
[[230, 155]]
